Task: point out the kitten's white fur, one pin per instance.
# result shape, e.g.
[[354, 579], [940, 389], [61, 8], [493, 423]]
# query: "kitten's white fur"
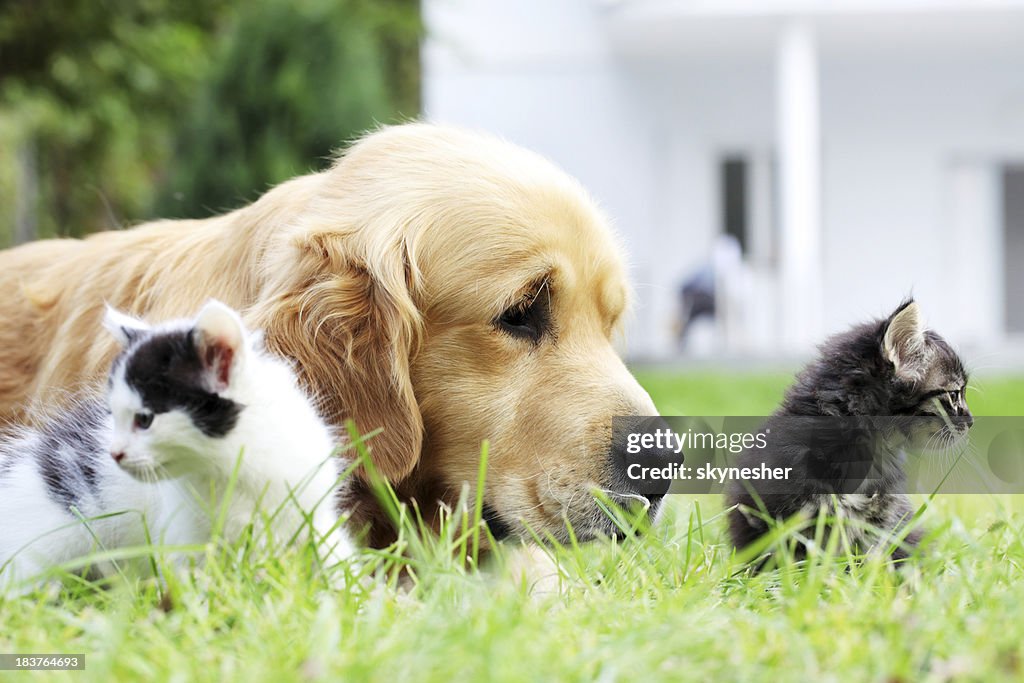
[[173, 476]]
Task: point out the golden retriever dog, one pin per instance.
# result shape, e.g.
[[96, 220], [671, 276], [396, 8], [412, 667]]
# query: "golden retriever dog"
[[442, 285]]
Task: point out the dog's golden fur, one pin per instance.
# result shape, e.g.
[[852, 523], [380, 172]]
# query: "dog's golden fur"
[[382, 277]]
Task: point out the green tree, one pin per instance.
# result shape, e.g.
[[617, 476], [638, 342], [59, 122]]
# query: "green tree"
[[115, 111], [89, 90], [291, 82]]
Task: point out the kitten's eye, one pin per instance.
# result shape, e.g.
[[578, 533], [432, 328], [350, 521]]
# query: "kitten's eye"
[[142, 421]]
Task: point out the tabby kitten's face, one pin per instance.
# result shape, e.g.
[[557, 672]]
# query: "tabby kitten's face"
[[928, 379]]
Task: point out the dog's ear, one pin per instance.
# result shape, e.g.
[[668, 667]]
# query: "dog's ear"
[[351, 326]]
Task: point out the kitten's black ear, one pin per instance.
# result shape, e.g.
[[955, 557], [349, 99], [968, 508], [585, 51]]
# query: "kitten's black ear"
[[220, 341], [124, 327], [903, 344]]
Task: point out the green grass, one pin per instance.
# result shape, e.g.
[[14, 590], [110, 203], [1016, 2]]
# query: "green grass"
[[670, 605]]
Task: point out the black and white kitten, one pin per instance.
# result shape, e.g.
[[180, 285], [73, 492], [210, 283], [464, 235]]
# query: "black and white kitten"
[[193, 408], [844, 427]]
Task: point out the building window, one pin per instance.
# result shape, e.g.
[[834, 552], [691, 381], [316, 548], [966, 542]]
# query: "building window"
[[735, 198]]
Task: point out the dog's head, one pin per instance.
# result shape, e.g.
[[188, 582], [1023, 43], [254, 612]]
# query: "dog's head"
[[450, 288]]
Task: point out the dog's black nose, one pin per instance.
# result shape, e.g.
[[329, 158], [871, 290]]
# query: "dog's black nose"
[[642, 456]]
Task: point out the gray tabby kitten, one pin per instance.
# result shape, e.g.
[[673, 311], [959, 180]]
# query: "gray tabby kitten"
[[844, 426]]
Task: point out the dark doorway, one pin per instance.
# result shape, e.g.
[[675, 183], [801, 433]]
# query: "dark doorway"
[[735, 188], [1013, 246]]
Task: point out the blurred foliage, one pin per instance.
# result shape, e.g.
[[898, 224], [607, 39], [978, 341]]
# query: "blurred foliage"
[[115, 111], [90, 90], [289, 84]]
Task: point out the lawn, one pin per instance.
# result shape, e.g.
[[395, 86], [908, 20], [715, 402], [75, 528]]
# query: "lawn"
[[670, 605]]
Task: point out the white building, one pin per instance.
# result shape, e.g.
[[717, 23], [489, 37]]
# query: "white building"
[[868, 148]]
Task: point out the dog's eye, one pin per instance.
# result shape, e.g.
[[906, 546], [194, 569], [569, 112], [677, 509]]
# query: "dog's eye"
[[526, 319], [520, 321], [530, 317]]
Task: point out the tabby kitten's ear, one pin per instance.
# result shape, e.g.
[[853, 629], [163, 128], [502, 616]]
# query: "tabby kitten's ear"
[[903, 344], [124, 327]]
